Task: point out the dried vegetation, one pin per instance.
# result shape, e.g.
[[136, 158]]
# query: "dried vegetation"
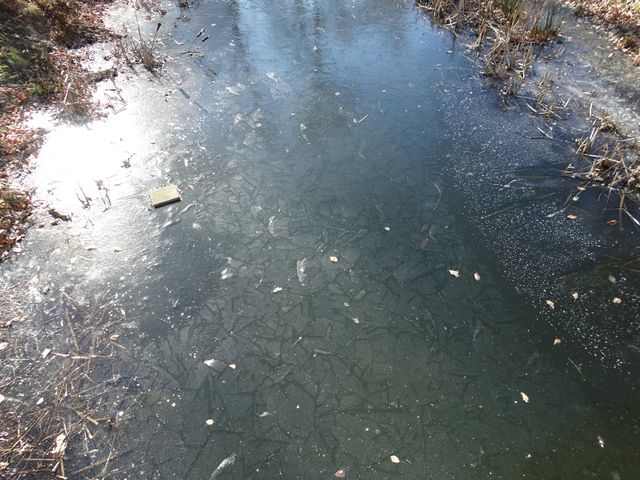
[[507, 32], [507, 37], [57, 391], [38, 65]]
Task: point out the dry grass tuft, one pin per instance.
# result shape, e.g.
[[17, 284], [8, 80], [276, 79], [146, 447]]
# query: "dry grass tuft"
[[507, 32], [57, 416]]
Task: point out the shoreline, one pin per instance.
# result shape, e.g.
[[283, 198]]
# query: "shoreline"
[[621, 17], [40, 68]]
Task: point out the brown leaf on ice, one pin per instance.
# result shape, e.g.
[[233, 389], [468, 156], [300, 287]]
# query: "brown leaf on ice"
[[550, 304], [572, 217], [454, 273], [394, 459], [340, 473], [333, 259], [557, 341], [476, 276], [575, 295], [525, 397], [617, 300], [612, 279], [611, 223]]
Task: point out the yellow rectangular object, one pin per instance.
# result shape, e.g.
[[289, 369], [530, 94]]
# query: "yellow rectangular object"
[[164, 196]]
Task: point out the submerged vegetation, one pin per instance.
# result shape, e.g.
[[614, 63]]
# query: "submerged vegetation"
[[58, 391]]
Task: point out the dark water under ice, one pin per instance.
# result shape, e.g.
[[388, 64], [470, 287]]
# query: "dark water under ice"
[[308, 130]]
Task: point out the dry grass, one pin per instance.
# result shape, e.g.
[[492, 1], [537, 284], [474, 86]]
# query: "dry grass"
[[507, 32], [59, 382], [39, 66], [612, 162], [623, 17], [508, 35], [133, 50]]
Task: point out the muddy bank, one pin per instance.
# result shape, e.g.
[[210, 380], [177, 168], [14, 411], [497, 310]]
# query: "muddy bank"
[[40, 68]]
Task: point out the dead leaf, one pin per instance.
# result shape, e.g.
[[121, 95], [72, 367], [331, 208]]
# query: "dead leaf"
[[525, 397], [551, 304], [232, 366], [611, 223], [340, 473], [557, 341], [476, 276], [572, 217], [454, 273], [617, 300], [333, 259], [277, 290], [612, 279], [355, 320], [209, 421], [114, 338], [600, 441], [264, 414], [46, 352], [2, 398], [394, 459], [575, 295]]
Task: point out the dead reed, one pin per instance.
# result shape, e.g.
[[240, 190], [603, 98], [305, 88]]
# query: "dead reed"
[[132, 50], [58, 388], [506, 32], [508, 35]]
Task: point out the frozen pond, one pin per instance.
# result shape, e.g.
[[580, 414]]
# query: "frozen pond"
[[334, 160]]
